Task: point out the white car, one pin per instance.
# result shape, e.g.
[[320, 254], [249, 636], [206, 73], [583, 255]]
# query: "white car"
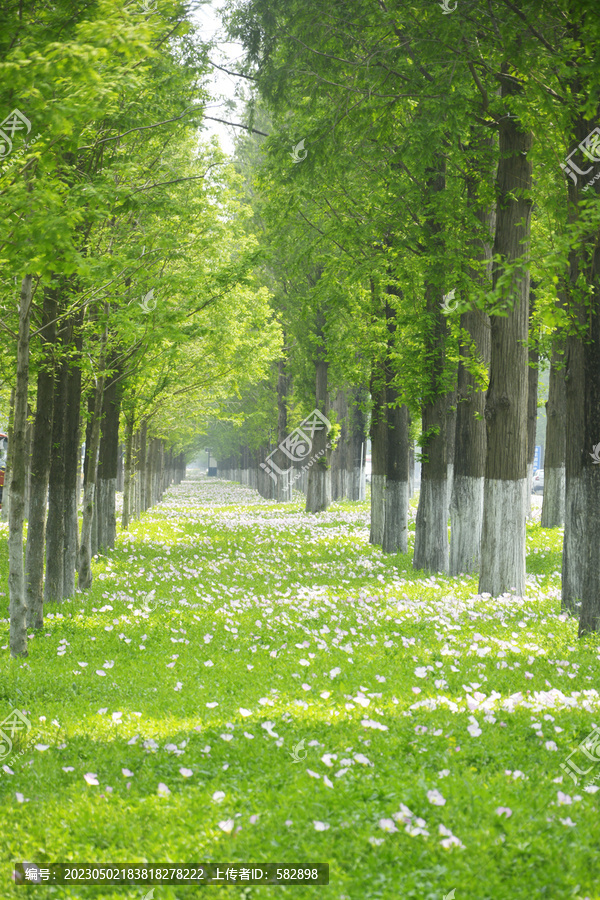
[[538, 482]]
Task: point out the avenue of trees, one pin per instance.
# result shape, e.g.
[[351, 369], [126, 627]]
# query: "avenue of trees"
[[426, 192], [408, 230], [129, 309]]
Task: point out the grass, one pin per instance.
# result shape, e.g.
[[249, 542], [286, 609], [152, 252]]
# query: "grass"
[[394, 689]]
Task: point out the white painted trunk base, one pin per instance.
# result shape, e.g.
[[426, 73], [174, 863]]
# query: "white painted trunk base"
[[377, 509], [529, 487], [553, 506], [431, 527], [450, 487], [503, 537], [395, 528], [574, 544], [466, 517]]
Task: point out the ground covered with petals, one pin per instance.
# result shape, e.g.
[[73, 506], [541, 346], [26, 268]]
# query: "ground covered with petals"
[[248, 683]]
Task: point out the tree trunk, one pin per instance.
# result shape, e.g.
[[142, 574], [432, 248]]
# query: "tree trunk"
[[466, 504], [85, 550], [9, 459], [55, 525], [107, 465], [395, 528], [40, 466], [431, 526], [16, 576], [504, 509], [553, 505], [532, 397], [357, 444], [379, 436], [318, 495], [128, 474], [72, 461]]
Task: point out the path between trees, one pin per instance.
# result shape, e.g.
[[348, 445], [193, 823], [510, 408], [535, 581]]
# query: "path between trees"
[[248, 683]]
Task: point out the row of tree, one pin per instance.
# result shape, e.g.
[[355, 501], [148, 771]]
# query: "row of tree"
[[426, 248], [137, 313]]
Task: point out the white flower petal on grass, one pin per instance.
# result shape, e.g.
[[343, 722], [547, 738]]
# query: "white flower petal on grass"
[[361, 758], [187, 773], [8, 770], [42, 747], [227, 825], [209, 663], [100, 672], [313, 774], [332, 673], [245, 712], [226, 737], [91, 778], [563, 799], [435, 797], [550, 745], [327, 782], [325, 694], [387, 825], [568, 822], [452, 841], [21, 798], [376, 842], [218, 796], [591, 788], [212, 705], [321, 826], [127, 773], [248, 735], [68, 769], [163, 790], [82, 664], [504, 811], [327, 759]]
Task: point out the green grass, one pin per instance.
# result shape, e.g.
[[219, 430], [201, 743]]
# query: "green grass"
[[278, 601]]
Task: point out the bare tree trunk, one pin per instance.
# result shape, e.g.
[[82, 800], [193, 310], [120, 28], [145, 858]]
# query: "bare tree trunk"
[[431, 525], [379, 437], [9, 459], [16, 576], [72, 461], [504, 511], [532, 396], [55, 525], [395, 529], [128, 473], [107, 465], [283, 485], [553, 505], [318, 495], [85, 550], [40, 466]]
